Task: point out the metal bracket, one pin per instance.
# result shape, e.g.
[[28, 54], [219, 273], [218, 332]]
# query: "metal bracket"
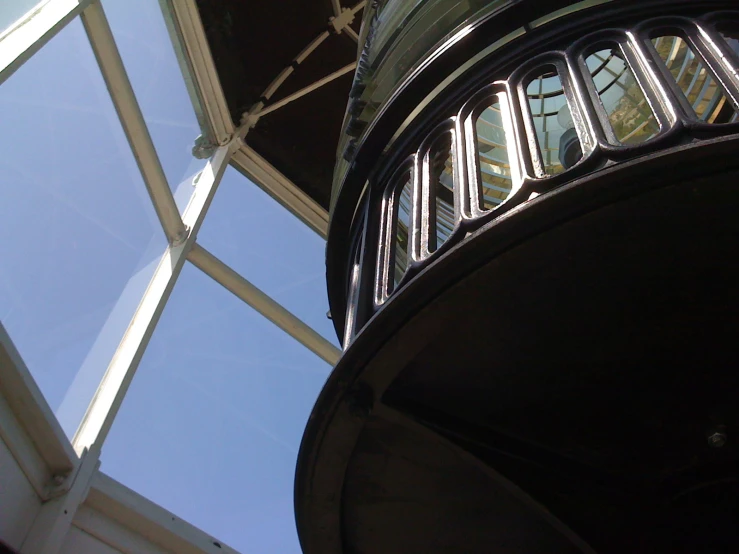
[[203, 148], [55, 517], [249, 119], [59, 485], [342, 20]]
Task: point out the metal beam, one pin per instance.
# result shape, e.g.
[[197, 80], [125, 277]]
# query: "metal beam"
[[116, 515], [104, 406], [263, 174], [28, 427], [132, 121], [250, 117], [35, 29], [207, 86], [352, 33], [54, 520], [263, 304], [30, 408], [336, 4], [310, 88]]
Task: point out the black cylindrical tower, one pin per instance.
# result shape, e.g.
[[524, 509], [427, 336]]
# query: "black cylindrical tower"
[[532, 263]]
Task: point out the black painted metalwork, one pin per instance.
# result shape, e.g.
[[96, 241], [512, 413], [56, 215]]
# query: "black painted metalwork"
[[532, 262], [598, 145]]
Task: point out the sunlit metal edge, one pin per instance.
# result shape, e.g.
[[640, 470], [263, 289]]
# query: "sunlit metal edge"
[[192, 45]]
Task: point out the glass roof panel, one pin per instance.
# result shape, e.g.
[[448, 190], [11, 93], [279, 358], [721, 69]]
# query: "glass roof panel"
[[12, 10], [149, 57], [78, 236], [211, 425], [267, 245]]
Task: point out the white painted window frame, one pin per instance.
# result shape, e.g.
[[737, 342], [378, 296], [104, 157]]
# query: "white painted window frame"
[[62, 473]]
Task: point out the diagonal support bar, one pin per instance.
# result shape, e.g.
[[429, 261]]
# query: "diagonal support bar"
[[263, 304], [132, 120], [310, 88], [336, 4], [352, 33], [108, 398]]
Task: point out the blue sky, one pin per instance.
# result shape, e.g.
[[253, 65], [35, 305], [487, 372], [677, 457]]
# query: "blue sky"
[[212, 422], [11, 10]]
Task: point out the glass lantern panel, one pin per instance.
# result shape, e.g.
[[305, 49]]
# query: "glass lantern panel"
[[699, 86], [440, 162], [631, 118], [558, 142], [492, 156]]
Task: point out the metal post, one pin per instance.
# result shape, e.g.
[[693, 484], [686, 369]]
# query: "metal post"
[[107, 401]]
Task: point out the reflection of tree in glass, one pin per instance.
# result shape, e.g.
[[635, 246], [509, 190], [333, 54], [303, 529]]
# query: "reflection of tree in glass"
[[702, 91], [407, 30], [628, 111], [546, 100]]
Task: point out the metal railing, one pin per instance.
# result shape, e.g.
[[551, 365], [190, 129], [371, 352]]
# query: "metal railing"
[[673, 80]]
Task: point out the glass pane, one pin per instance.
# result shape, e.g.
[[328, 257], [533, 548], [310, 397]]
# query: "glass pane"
[[492, 156], [703, 92], [211, 425], [555, 132], [149, 57], [270, 247], [441, 181], [732, 39], [404, 195], [401, 33], [12, 10], [78, 236], [628, 111], [404, 32]]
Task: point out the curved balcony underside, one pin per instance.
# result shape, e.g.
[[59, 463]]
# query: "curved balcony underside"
[[549, 384]]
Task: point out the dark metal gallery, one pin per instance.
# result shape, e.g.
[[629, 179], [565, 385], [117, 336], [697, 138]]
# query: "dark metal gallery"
[[532, 263]]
